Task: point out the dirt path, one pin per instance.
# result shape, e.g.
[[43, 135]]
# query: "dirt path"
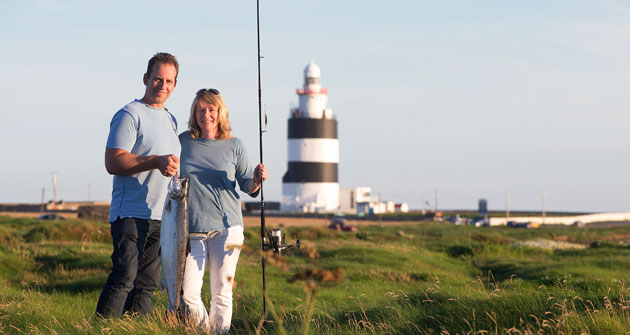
[[36, 214]]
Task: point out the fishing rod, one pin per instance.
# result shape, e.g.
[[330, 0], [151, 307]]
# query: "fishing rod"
[[260, 141], [276, 237]]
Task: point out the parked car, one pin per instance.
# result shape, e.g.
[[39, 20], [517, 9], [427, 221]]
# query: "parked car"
[[515, 224], [50, 216], [480, 222], [340, 224], [578, 224]]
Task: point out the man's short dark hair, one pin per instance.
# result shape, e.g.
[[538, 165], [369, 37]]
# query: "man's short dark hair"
[[164, 58]]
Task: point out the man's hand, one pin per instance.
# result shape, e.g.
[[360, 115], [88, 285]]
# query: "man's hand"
[[168, 165]]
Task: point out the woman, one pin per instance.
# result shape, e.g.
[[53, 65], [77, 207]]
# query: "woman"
[[215, 161]]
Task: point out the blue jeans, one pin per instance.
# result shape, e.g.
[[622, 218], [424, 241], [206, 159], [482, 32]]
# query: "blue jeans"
[[136, 268]]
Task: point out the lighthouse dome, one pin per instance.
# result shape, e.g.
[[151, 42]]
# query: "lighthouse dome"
[[312, 70]]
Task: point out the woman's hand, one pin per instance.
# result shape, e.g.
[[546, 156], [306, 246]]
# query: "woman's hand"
[[260, 175]]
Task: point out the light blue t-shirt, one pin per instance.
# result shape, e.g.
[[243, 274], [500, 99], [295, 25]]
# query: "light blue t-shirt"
[[142, 130], [214, 168]]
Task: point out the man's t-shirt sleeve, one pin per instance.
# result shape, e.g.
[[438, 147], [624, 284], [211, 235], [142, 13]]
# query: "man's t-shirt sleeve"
[[123, 131]]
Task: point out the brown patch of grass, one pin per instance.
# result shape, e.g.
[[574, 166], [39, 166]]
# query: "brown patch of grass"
[[275, 259], [616, 238], [395, 276], [309, 249], [491, 239], [319, 275]]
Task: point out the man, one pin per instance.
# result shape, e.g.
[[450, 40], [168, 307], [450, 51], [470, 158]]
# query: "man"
[[142, 153]]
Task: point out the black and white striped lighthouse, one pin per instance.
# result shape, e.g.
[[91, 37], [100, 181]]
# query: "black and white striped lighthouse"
[[310, 183]]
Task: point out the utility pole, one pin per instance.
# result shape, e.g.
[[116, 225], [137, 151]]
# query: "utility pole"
[[507, 206], [54, 180], [41, 210], [436, 202], [89, 192], [544, 196]]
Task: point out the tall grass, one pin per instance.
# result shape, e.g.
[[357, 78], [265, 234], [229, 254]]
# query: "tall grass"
[[410, 279]]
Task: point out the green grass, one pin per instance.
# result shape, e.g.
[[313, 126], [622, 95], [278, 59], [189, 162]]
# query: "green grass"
[[424, 278]]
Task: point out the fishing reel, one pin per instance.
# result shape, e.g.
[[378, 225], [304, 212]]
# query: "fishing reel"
[[275, 241]]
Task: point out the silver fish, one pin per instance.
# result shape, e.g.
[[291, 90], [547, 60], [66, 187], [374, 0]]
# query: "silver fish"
[[174, 240]]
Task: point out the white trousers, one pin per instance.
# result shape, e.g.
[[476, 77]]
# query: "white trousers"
[[218, 250]]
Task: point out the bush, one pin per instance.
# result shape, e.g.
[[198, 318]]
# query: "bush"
[[37, 234], [459, 250], [601, 244], [363, 236], [6, 238]]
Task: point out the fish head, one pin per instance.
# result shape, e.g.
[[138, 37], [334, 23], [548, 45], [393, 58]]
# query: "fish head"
[[178, 187]]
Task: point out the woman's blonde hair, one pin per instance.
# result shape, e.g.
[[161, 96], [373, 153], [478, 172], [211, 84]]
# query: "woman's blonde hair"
[[213, 97]]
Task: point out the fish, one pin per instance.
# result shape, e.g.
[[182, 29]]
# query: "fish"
[[174, 240]]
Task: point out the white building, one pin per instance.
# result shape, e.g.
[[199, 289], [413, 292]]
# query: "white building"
[[349, 197], [359, 200]]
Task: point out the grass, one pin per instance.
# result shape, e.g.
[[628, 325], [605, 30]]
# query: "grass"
[[424, 278]]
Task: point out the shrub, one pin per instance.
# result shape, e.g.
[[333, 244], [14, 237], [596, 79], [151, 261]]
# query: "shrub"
[[363, 236], [6, 238], [601, 244], [37, 234], [459, 250]]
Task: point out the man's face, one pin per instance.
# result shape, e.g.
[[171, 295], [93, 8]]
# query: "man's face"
[[160, 84]]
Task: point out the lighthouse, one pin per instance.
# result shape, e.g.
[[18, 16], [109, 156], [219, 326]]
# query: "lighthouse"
[[310, 183]]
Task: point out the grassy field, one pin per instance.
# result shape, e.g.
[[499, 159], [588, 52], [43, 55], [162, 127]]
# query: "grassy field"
[[414, 278]]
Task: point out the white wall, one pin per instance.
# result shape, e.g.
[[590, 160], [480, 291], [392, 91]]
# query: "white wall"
[[565, 220]]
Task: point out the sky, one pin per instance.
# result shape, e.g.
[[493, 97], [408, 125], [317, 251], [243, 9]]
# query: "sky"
[[463, 99]]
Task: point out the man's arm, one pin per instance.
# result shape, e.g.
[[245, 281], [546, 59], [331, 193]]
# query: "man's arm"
[[124, 163]]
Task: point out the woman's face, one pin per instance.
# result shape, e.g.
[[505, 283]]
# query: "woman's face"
[[207, 118]]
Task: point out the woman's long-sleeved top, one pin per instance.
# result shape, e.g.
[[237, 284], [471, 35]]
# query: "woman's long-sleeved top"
[[214, 167]]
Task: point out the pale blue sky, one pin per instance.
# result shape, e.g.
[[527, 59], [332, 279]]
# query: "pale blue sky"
[[472, 98]]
